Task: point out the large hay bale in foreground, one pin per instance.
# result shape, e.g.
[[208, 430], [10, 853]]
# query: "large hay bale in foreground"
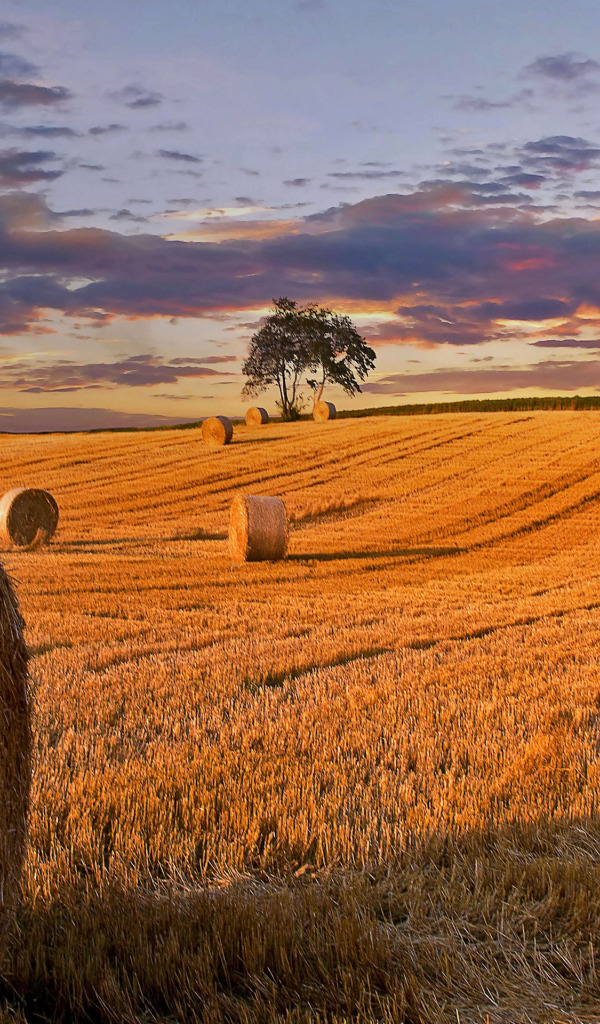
[[15, 753], [257, 529], [256, 416], [324, 411], [217, 430], [28, 518]]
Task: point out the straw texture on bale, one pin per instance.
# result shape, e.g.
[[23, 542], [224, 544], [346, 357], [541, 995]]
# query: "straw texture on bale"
[[257, 529], [324, 411], [256, 416], [15, 753], [28, 518], [217, 430]]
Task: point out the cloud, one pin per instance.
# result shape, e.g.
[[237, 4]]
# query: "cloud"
[[24, 211], [524, 179], [15, 94], [84, 211], [10, 30], [547, 376], [480, 104], [448, 270], [205, 361], [568, 343], [136, 97], [125, 214], [563, 153], [298, 182], [64, 375], [169, 126], [11, 65], [364, 175], [49, 132], [564, 67], [23, 168], [59, 419], [175, 154], [107, 129]]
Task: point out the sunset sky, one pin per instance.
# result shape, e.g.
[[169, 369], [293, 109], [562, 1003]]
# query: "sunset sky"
[[167, 169]]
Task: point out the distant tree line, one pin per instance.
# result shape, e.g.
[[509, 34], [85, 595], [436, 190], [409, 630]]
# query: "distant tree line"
[[481, 405]]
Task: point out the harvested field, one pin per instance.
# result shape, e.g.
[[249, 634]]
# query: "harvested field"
[[361, 784]]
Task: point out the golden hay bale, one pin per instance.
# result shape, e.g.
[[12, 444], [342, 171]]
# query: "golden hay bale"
[[256, 416], [217, 430], [324, 411], [257, 529], [28, 518], [15, 752]]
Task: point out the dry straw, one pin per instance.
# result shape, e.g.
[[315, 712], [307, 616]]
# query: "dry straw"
[[256, 416], [324, 411], [15, 753], [217, 430], [28, 518], [257, 529]]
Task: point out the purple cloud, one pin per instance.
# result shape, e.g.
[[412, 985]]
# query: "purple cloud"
[[175, 154], [549, 375], [14, 94], [136, 97], [64, 375], [564, 67], [22, 168]]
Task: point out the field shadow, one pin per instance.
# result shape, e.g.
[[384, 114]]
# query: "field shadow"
[[496, 924], [107, 542], [198, 534], [334, 556], [95, 544], [289, 675]]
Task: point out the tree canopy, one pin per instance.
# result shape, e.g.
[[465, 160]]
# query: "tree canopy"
[[305, 345]]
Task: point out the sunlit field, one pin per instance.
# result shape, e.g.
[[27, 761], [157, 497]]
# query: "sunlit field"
[[358, 785]]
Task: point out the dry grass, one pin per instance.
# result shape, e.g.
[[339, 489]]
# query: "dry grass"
[[358, 785]]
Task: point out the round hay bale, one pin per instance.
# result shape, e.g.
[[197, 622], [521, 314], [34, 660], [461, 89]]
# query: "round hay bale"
[[28, 518], [15, 753], [257, 529], [217, 430], [256, 416], [324, 411]]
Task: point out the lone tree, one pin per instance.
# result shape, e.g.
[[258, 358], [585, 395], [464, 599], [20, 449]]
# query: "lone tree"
[[294, 341]]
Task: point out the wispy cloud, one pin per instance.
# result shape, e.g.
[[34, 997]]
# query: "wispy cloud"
[[175, 154], [11, 30], [481, 104], [137, 97], [106, 129], [13, 66]]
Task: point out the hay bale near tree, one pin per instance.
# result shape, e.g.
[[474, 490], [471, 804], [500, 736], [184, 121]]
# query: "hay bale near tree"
[[15, 753], [217, 430], [324, 411], [258, 529], [28, 518], [256, 416]]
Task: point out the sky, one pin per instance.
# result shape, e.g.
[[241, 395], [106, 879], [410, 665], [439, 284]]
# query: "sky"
[[431, 170]]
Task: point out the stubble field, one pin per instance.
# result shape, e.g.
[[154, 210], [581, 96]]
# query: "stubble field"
[[358, 785]]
